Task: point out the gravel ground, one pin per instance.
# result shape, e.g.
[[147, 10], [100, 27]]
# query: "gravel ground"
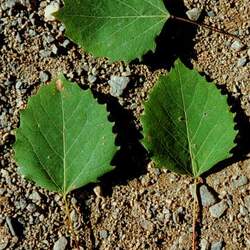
[[136, 206]]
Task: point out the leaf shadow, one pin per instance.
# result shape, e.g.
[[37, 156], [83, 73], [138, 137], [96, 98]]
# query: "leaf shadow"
[[131, 158], [175, 40]]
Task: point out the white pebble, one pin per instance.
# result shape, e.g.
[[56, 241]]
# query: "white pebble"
[[118, 84], [49, 10]]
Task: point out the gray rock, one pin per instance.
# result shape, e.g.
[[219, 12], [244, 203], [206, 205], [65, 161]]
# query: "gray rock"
[[218, 209], [74, 215], [10, 3], [103, 234], [207, 198], [211, 13], [54, 49], [194, 14], [204, 244], [217, 245], [60, 244], [91, 79], [31, 207], [239, 182], [243, 210], [35, 197], [241, 62], [237, 45], [65, 43], [118, 84], [10, 226], [4, 243], [45, 53], [43, 76], [247, 202]]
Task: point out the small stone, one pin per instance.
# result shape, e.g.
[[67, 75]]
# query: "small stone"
[[43, 76], [60, 244], [91, 79], [54, 49], [243, 210], [239, 182], [10, 3], [118, 84], [194, 14], [74, 215], [65, 43], [31, 207], [44, 53], [204, 244], [10, 226], [241, 62], [248, 53], [103, 234], [147, 225], [217, 245], [207, 198], [237, 45], [247, 202], [50, 9], [35, 197], [218, 209], [211, 13]]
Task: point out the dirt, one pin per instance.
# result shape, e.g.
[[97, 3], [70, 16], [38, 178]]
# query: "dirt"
[[139, 206]]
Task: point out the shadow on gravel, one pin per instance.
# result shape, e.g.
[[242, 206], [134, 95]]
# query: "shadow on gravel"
[[131, 158], [175, 40]]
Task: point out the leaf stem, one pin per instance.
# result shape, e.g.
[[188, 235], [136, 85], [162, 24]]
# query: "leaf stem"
[[195, 216], [204, 26], [69, 223]]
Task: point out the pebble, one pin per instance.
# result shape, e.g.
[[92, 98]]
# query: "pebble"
[[103, 234], [54, 49], [10, 226], [243, 210], [65, 43], [247, 202], [43, 76], [217, 245], [118, 84], [204, 244], [207, 198], [50, 9], [194, 14], [10, 3], [60, 244], [237, 45], [31, 207], [239, 182], [74, 215], [35, 197], [91, 79], [211, 13], [242, 61], [218, 209], [147, 225]]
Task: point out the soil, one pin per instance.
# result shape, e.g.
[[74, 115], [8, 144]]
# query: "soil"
[[136, 206]]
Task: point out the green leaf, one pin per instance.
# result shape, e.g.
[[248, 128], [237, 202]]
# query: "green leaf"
[[117, 29], [188, 126], [64, 140]]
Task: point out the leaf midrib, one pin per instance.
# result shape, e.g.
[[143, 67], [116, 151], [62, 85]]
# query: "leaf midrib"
[[186, 122], [64, 146], [119, 17]]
